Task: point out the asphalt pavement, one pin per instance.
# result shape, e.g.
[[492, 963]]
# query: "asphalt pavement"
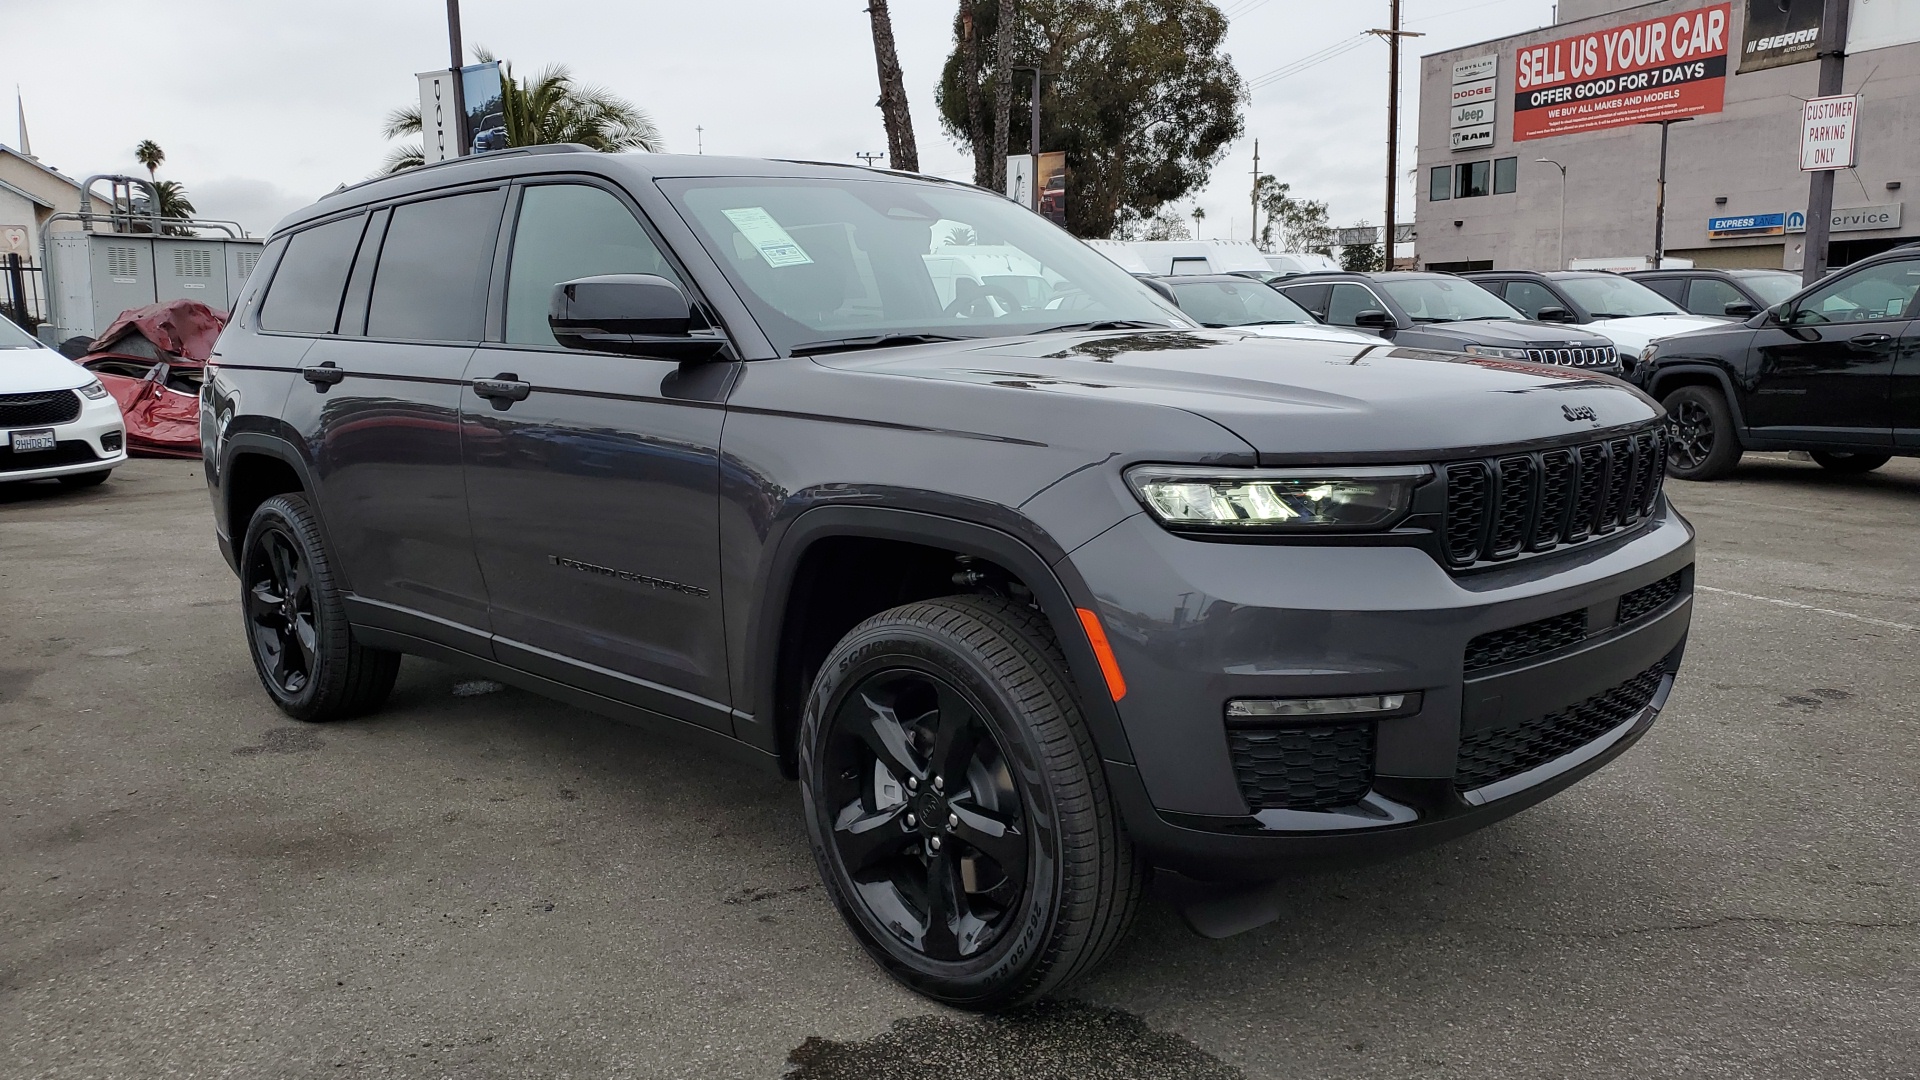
[[480, 883]]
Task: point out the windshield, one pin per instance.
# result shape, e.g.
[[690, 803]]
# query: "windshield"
[[1446, 299], [1236, 303], [1610, 297], [1771, 286], [12, 337], [821, 261]]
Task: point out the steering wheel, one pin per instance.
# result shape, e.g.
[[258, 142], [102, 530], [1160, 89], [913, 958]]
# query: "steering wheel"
[[977, 306]]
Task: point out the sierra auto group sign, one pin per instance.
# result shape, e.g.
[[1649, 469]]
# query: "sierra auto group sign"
[[1658, 69]]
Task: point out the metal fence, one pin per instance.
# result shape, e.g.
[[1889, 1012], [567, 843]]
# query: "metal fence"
[[23, 293]]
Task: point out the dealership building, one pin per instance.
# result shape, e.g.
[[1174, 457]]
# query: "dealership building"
[[1589, 94]]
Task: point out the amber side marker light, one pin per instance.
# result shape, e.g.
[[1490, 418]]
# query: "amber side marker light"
[[1103, 652]]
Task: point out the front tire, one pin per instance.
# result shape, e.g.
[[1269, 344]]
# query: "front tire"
[[1701, 444], [1849, 464], [957, 807], [303, 649]]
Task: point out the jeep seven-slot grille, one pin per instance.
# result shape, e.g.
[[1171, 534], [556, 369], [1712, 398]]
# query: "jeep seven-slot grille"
[[1649, 598], [45, 407], [1499, 507], [1488, 757], [1302, 768], [1581, 357], [1519, 642]]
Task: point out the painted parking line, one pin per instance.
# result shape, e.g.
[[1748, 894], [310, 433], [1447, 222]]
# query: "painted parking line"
[[1809, 607]]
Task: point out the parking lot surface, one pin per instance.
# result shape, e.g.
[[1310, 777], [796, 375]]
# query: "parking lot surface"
[[480, 883]]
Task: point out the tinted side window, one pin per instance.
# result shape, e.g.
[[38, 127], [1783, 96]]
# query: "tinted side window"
[[1530, 298], [1671, 288], [431, 284], [305, 295], [1710, 296], [1875, 292], [1350, 300], [1311, 297], [569, 231]]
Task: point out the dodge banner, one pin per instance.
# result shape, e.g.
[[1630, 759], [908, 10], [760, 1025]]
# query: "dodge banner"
[[1659, 69]]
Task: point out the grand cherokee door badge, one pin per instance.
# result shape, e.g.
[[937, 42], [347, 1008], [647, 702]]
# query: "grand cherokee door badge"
[[627, 575]]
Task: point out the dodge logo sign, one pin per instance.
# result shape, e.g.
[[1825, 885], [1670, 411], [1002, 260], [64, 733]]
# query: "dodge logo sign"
[[1579, 412]]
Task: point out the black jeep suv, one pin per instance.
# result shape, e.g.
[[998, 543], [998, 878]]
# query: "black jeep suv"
[[894, 487], [1833, 369]]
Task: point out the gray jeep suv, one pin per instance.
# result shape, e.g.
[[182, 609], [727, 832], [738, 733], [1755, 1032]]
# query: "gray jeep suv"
[[899, 491]]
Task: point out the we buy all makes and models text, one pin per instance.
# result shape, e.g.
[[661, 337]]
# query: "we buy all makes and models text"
[[1658, 69]]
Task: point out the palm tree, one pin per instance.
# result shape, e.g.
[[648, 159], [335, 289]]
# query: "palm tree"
[[549, 108], [174, 205], [148, 153]]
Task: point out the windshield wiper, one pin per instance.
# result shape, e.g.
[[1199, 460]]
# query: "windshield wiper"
[[1485, 318], [875, 341], [1106, 324], [1268, 322]]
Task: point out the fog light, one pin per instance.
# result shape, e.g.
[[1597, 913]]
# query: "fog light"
[[110, 442], [1307, 708]]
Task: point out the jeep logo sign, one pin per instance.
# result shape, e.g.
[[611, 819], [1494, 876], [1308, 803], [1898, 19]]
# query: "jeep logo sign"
[[1579, 412]]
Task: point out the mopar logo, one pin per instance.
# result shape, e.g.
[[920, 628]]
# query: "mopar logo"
[[1578, 412]]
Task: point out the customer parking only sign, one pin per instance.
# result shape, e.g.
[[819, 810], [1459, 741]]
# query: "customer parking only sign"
[[1658, 69]]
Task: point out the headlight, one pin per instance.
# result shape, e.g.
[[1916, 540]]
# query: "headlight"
[[1646, 354], [94, 390], [1497, 350], [1278, 500]]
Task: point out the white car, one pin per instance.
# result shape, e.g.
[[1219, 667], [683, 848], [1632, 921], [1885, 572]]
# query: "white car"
[[1627, 312], [56, 420], [1229, 301]]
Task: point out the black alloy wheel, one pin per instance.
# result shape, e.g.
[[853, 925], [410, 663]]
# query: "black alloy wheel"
[[957, 806], [928, 825], [1701, 442], [1849, 464], [296, 624]]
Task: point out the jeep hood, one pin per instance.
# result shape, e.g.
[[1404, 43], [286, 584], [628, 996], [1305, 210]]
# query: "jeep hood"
[[1635, 332], [1291, 399]]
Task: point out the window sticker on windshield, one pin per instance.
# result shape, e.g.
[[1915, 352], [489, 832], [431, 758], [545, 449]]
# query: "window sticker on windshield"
[[767, 237]]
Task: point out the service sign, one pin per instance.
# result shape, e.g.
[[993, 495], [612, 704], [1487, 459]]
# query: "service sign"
[[1827, 129], [1658, 69]]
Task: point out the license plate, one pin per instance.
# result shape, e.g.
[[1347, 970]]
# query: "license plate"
[[24, 441]]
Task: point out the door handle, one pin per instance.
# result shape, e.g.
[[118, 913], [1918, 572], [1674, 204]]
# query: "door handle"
[[503, 389], [323, 376], [1870, 341]]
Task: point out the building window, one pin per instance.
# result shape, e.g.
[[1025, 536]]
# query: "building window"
[[1506, 175], [1471, 180], [1440, 186]]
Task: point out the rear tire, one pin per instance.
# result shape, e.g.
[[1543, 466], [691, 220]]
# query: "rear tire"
[[86, 479], [957, 806], [303, 649], [1849, 464], [1702, 443]]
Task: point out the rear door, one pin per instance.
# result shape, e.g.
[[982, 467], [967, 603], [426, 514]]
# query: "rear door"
[[1825, 369], [381, 400], [595, 497], [1906, 384]]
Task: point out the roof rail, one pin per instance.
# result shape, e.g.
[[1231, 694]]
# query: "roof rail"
[[512, 151]]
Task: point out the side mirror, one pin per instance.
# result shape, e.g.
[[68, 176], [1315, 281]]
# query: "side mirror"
[[1373, 319], [1740, 309], [1553, 313], [638, 314], [1165, 290]]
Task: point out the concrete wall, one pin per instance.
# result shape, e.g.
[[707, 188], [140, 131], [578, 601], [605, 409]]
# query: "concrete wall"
[[43, 183], [1567, 11], [1748, 154]]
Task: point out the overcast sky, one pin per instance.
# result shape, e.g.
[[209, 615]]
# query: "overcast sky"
[[263, 105]]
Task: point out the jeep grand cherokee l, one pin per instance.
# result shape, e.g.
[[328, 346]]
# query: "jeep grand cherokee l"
[[1030, 589]]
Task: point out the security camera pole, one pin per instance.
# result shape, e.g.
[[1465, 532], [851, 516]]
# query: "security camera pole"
[[1833, 69], [459, 90]]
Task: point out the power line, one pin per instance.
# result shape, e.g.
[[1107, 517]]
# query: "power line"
[[1311, 60], [1241, 7]]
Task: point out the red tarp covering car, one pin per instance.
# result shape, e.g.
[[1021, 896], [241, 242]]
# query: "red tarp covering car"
[[152, 360]]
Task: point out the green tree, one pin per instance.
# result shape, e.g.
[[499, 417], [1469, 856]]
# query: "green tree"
[[1361, 258], [1302, 224], [174, 206], [1138, 95], [149, 154], [548, 108]]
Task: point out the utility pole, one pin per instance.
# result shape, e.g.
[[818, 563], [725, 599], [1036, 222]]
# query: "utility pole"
[[1256, 191], [869, 159], [1660, 194], [459, 89], [1392, 36], [1833, 69], [699, 139], [1033, 139]]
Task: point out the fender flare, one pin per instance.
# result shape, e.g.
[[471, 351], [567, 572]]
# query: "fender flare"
[[1057, 588], [1718, 374], [262, 444]]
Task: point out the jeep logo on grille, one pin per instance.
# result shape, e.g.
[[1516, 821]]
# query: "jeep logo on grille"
[[1579, 412]]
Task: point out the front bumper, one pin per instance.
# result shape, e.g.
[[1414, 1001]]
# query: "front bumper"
[[91, 442], [1195, 624]]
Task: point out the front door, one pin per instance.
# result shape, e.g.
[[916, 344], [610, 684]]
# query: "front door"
[[595, 497], [1825, 368], [382, 399]]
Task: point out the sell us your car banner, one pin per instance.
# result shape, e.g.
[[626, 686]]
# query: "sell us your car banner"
[[1657, 69]]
